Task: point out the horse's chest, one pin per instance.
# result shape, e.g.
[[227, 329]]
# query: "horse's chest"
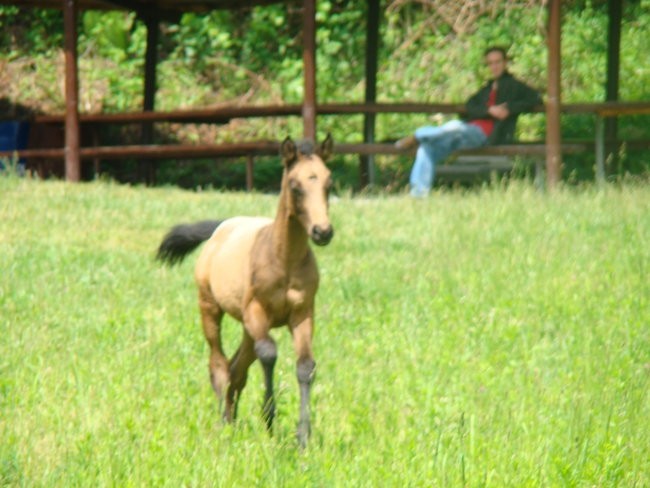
[[295, 297], [282, 298]]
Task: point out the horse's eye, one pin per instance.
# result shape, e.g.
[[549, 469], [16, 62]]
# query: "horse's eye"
[[297, 190]]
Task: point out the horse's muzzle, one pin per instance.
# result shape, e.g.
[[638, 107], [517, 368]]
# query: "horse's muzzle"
[[322, 236]]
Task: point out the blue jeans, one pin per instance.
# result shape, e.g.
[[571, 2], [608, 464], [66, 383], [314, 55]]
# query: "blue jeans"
[[436, 144]]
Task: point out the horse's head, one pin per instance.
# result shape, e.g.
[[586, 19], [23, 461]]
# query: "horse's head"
[[308, 183]]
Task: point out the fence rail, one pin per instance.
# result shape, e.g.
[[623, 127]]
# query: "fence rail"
[[224, 114]]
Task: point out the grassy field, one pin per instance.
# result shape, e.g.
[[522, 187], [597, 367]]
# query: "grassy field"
[[498, 337]]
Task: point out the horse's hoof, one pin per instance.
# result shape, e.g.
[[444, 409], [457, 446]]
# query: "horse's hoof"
[[227, 417], [302, 434]]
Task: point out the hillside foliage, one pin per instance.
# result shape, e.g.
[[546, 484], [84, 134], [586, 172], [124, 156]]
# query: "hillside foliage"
[[431, 51]]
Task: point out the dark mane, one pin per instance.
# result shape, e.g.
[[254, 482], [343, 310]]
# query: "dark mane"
[[305, 147]]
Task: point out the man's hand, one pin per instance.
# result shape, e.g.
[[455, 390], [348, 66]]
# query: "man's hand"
[[499, 112]]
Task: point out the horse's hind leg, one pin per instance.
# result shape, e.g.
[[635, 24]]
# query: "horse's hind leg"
[[211, 316], [239, 365]]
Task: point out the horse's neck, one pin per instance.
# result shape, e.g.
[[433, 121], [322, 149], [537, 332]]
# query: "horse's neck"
[[290, 241]]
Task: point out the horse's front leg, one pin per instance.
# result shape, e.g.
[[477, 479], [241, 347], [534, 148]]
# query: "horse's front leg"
[[258, 325], [302, 326]]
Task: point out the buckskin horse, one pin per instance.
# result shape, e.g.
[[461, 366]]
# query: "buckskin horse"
[[263, 273]]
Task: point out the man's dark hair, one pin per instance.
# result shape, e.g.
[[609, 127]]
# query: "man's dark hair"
[[496, 49]]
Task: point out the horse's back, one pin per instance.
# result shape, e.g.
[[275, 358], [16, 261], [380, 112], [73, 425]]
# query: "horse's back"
[[223, 267]]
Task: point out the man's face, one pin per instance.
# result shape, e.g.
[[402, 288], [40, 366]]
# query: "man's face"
[[496, 63]]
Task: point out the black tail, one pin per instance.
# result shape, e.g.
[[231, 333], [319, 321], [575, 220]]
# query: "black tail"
[[183, 239]]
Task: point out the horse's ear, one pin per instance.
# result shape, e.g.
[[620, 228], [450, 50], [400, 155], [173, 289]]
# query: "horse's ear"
[[288, 151], [326, 148]]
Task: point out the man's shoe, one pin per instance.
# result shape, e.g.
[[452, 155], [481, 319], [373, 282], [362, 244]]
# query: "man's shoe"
[[407, 142]]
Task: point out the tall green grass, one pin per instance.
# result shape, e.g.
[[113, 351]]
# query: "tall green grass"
[[498, 337]]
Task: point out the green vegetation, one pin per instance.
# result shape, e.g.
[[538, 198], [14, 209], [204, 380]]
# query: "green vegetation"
[[428, 53], [497, 337]]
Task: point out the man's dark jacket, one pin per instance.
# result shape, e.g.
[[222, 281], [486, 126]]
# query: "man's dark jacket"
[[519, 98]]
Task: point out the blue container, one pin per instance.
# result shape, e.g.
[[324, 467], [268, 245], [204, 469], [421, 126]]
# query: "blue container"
[[13, 136]]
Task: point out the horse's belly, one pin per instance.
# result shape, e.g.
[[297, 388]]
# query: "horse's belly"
[[224, 264]]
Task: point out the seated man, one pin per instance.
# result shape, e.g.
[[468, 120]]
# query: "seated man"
[[491, 118]]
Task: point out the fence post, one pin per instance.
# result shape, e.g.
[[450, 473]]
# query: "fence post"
[[72, 158]]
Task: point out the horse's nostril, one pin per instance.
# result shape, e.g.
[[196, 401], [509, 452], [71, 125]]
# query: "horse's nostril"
[[322, 236]]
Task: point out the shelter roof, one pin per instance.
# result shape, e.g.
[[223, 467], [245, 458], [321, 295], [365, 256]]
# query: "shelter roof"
[[148, 6]]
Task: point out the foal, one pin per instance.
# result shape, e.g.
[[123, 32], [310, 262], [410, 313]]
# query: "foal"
[[263, 273]]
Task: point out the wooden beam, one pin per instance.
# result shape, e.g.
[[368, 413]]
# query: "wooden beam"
[[167, 10], [309, 61], [615, 11], [150, 86], [146, 10], [509, 150], [600, 150], [271, 148], [553, 135], [150, 64], [250, 172], [170, 151], [226, 113], [72, 159], [367, 162]]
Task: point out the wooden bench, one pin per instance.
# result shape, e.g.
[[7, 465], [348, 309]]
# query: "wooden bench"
[[482, 163], [474, 164]]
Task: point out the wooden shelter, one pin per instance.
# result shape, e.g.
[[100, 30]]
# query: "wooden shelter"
[[152, 12]]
